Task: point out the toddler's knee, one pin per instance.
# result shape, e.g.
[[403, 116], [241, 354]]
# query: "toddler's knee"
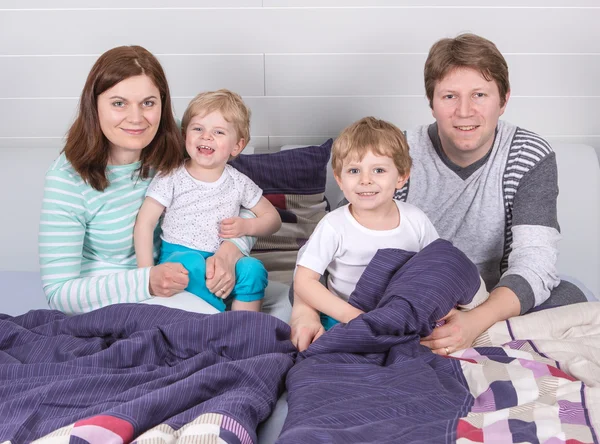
[[250, 267]]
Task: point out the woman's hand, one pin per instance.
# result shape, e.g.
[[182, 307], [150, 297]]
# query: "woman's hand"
[[168, 279], [220, 270]]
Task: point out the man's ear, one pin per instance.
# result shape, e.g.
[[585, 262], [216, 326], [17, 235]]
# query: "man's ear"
[[503, 108]]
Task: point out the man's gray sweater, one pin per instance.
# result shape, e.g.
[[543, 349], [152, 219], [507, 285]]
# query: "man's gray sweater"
[[500, 211]]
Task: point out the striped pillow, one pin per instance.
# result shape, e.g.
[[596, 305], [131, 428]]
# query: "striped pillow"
[[294, 182]]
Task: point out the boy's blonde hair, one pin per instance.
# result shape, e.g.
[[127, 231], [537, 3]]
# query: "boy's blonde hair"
[[370, 134], [228, 103]]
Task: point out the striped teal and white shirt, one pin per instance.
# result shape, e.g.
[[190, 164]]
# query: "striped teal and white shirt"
[[87, 256]]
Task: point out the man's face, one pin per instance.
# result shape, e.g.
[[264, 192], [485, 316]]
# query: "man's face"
[[466, 107]]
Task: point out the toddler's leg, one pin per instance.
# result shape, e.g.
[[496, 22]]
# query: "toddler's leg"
[[250, 283], [195, 263]]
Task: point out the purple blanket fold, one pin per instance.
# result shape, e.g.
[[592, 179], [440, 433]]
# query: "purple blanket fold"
[[145, 365], [370, 380]]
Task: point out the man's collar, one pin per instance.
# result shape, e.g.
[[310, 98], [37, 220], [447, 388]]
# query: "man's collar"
[[462, 172]]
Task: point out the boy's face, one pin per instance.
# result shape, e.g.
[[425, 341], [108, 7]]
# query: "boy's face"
[[210, 140], [371, 182]]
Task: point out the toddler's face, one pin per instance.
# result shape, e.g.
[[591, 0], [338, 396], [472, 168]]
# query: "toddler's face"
[[210, 140], [371, 182]]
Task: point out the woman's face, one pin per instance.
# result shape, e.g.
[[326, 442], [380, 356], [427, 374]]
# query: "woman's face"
[[129, 115]]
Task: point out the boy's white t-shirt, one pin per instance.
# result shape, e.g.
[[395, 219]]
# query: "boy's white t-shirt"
[[194, 208], [344, 247]]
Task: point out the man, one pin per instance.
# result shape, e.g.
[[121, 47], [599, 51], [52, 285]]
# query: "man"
[[488, 186]]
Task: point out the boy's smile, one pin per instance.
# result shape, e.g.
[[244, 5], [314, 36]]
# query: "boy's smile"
[[210, 141], [369, 184]]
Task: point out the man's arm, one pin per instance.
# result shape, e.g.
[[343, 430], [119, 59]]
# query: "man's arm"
[[531, 274], [463, 327]]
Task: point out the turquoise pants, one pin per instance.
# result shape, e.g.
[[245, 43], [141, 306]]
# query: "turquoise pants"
[[250, 275], [327, 321]]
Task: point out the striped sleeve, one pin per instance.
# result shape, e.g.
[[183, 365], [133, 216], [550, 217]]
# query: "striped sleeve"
[[62, 230], [532, 232]]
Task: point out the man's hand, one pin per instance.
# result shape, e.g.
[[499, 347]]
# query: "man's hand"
[[463, 327], [233, 227], [459, 332], [168, 279]]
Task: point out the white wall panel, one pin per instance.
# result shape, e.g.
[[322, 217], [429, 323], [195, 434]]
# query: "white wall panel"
[[28, 143], [317, 116], [21, 204], [344, 74], [292, 30], [402, 74], [554, 74], [79, 4], [190, 74], [555, 115], [426, 3], [64, 76], [36, 117]]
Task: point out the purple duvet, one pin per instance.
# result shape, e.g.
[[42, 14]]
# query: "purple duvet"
[[113, 374], [370, 380]]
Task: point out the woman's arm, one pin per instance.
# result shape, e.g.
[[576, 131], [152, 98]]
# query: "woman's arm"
[[63, 225]]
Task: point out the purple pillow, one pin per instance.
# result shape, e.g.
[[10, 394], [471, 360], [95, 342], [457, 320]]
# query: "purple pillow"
[[295, 171]]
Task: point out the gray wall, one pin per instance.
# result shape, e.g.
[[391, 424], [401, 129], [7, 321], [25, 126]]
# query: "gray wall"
[[307, 68]]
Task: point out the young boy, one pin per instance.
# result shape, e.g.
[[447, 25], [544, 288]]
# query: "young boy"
[[370, 162], [201, 201]]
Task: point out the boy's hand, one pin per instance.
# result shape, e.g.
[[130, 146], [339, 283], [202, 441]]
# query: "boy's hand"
[[233, 227]]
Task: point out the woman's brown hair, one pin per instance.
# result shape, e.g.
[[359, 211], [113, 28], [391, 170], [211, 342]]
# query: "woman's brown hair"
[[87, 148]]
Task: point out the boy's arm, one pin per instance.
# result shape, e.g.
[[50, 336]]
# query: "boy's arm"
[[267, 222], [143, 232], [308, 288]]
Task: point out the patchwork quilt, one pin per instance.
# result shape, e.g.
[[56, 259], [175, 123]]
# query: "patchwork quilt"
[[531, 379]]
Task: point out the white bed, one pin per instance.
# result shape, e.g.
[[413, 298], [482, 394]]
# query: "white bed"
[[579, 260]]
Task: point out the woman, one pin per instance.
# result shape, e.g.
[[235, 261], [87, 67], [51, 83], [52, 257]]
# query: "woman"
[[123, 134]]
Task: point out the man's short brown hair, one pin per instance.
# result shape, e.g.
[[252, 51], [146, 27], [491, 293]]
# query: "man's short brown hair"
[[466, 51]]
